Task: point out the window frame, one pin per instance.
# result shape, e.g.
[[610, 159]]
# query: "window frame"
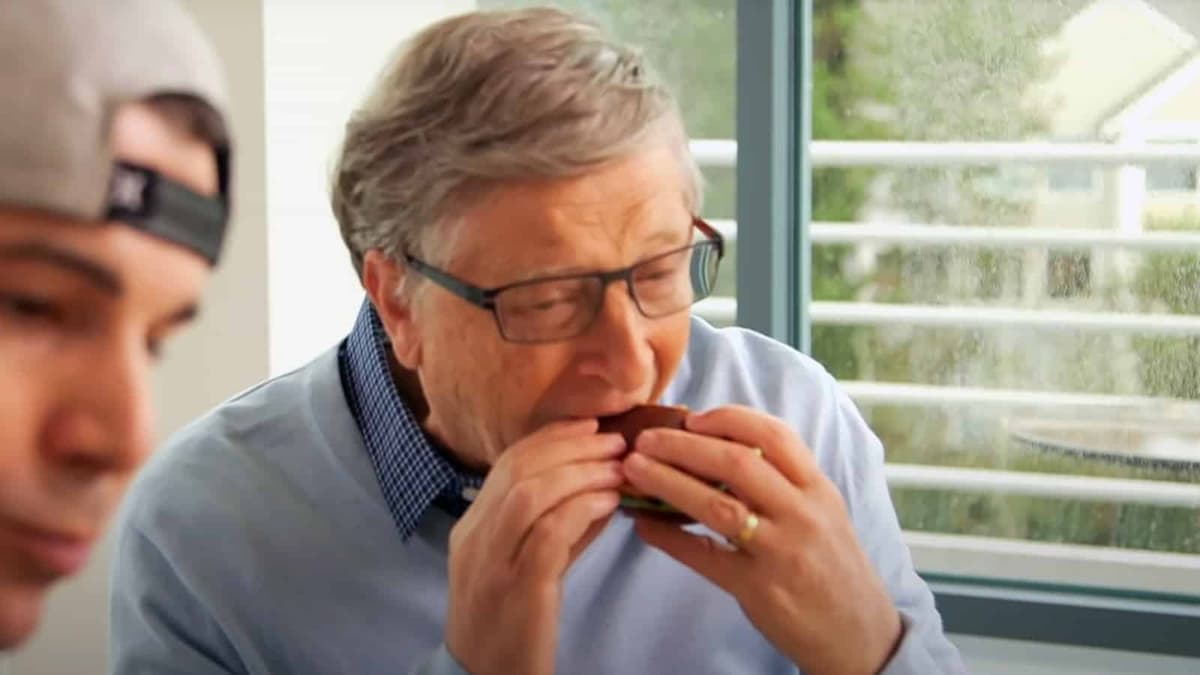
[[774, 126]]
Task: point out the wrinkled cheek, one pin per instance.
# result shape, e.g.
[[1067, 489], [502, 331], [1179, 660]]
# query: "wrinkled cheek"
[[534, 386], [500, 404]]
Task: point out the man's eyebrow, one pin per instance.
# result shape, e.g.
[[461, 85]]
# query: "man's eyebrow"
[[98, 275], [662, 236]]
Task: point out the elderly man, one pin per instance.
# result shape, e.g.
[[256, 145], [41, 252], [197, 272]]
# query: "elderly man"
[[433, 496], [113, 157]]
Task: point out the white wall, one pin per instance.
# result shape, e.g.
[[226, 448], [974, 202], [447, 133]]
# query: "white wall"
[[321, 58]]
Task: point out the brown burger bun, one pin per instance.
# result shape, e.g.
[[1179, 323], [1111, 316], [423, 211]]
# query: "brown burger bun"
[[630, 424], [639, 418]]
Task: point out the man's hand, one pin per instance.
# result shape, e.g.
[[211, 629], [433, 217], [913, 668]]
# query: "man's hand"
[[798, 571], [543, 502]]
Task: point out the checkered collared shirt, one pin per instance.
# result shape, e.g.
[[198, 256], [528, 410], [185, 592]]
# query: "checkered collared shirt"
[[413, 472]]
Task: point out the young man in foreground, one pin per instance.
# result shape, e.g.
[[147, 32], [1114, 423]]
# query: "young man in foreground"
[[114, 177]]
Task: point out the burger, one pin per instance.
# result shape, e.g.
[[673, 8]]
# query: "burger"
[[630, 424]]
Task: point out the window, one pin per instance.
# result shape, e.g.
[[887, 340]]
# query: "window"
[[1030, 365], [1069, 275], [1171, 179], [1071, 179]]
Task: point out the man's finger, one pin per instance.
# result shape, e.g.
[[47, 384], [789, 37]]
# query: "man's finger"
[[743, 470], [537, 454], [720, 511], [552, 541], [780, 445], [526, 502]]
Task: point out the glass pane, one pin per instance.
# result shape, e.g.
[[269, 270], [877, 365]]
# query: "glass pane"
[[1071, 179], [1007, 329], [692, 44], [1171, 179]]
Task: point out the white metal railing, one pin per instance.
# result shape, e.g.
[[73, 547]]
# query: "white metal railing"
[[727, 228], [1059, 486], [876, 314], [724, 310], [931, 154], [717, 309], [913, 235], [1000, 237], [723, 154], [904, 393], [1075, 565], [912, 154], [716, 153]]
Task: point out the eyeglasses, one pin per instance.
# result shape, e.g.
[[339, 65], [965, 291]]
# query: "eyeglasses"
[[549, 309]]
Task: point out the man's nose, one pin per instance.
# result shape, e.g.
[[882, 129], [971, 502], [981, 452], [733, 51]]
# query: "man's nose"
[[623, 356], [104, 421]]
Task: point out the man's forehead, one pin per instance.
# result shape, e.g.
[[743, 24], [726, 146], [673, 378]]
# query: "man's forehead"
[[564, 214], [570, 229]]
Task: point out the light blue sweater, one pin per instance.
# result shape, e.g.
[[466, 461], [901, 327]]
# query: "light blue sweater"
[[259, 542]]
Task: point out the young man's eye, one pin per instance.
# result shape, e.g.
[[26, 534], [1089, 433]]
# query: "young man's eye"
[[28, 308]]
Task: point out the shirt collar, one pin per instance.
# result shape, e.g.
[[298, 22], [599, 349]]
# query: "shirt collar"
[[413, 472]]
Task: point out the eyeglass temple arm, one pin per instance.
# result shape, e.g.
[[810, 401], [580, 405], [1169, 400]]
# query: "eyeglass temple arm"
[[463, 290], [710, 232]]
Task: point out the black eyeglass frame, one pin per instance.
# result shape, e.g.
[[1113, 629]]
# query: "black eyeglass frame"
[[485, 298]]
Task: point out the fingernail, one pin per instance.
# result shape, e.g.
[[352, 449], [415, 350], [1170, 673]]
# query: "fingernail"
[[637, 461], [616, 442], [646, 439]]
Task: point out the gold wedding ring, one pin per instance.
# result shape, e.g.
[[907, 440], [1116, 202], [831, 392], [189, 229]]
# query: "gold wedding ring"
[[748, 529]]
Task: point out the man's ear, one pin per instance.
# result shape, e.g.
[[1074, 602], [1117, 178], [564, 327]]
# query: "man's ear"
[[382, 276]]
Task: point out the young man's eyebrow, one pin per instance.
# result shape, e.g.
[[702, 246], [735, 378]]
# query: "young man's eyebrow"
[[97, 274]]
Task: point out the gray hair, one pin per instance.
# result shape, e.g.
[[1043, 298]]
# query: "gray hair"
[[485, 99]]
